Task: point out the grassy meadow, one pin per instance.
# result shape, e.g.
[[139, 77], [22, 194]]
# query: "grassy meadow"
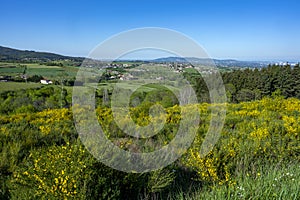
[[42, 157], [257, 156], [49, 72], [11, 86]]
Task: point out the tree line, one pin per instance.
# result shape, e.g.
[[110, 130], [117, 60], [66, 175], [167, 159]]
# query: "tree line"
[[253, 84]]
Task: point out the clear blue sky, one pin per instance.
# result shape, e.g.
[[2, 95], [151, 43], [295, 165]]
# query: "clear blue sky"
[[239, 29]]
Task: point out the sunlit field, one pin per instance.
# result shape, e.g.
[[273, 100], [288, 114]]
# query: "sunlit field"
[[257, 156]]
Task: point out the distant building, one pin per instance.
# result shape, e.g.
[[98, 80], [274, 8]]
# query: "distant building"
[[46, 82], [5, 78]]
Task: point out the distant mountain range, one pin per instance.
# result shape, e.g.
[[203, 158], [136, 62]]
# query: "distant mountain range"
[[10, 54], [217, 62]]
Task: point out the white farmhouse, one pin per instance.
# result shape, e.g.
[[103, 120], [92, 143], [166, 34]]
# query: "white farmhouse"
[[46, 82]]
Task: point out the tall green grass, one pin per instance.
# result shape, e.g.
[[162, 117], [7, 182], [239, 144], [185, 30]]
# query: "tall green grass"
[[12, 86], [275, 181]]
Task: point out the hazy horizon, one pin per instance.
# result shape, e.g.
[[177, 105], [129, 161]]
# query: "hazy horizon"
[[150, 57]]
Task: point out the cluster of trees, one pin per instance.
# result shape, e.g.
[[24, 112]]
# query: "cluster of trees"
[[34, 100], [248, 84], [253, 84]]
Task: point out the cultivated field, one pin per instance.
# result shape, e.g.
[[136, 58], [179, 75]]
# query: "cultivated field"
[[9, 86]]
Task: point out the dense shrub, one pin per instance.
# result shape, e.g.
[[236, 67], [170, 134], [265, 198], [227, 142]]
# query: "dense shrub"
[[41, 156]]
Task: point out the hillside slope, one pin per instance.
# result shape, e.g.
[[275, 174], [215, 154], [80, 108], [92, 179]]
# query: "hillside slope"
[[9, 54]]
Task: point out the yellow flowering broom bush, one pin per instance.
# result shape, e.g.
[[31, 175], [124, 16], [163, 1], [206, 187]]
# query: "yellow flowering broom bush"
[[44, 165], [255, 133], [55, 172]]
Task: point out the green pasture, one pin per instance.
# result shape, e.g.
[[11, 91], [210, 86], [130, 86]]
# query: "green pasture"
[[50, 72], [133, 86], [11, 86]]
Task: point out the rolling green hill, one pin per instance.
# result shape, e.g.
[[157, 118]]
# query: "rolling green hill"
[[9, 54]]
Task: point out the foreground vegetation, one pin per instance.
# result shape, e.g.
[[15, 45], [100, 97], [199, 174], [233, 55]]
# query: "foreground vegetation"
[[257, 156]]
